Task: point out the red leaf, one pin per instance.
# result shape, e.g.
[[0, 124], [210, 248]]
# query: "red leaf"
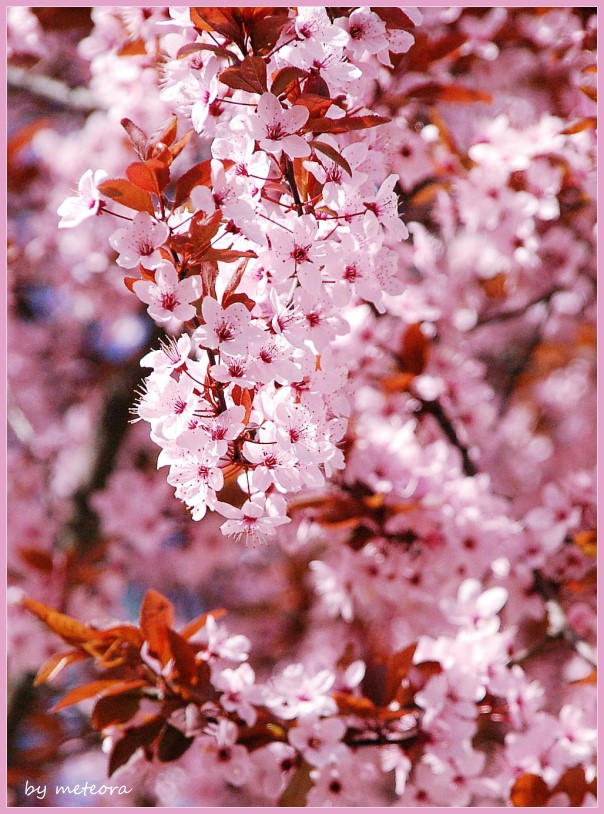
[[317, 86], [415, 350], [109, 687], [70, 630], [398, 667], [225, 21], [264, 26], [36, 558], [394, 18], [56, 664], [199, 175], [344, 125], [529, 790], [151, 175], [317, 106], [156, 616], [196, 47], [245, 397], [135, 738], [172, 744], [165, 133], [433, 92], [250, 76], [185, 666], [199, 623], [284, 77], [126, 194], [112, 710], [332, 154], [137, 137]]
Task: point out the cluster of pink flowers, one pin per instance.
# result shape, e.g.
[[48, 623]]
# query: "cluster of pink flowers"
[[358, 249]]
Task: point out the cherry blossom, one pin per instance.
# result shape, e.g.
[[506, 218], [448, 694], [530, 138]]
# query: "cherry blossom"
[[85, 204], [275, 128]]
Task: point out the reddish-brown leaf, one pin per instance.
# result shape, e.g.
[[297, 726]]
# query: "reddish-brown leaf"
[[165, 133], [56, 664], [36, 558], [196, 47], [177, 148], [588, 123], [395, 18], [185, 666], [345, 124], [244, 397], [109, 687], [415, 350], [135, 738], [353, 705], [250, 76], [332, 154], [317, 106], [125, 193], [284, 77], [574, 784], [397, 669], [587, 542], [433, 92], [151, 175], [297, 788], [156, 616], [529, 790], [70, 630], [198, 175], [199, 623], [225, 21], [112, 710], [133, 48], [226, 255], [172, 744], [137, 137], [264, 26]]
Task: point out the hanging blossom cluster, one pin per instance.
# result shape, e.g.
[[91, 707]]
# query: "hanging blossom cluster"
[[259, 251], [369, 237]]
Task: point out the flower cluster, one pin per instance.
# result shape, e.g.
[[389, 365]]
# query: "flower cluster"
[[332, 272]]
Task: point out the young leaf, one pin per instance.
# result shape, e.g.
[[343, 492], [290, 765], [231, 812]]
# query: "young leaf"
[[332, 154], [225, 21], [196, 47], [185, 667], [250, 76], [136, 737], [151, 175], [137, 137], [70, 630], [109, 687], [529, 790], [199, 623], [433, 92], [415, 350], [56, 664], [112, 710], [198, 175], [284, 77], [344, 125], [125, 193], [172, 744], [156, 616]]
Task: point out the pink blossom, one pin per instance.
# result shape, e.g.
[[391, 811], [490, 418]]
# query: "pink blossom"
[[85, 204], [274, 127], [139, 242], [168, 297]]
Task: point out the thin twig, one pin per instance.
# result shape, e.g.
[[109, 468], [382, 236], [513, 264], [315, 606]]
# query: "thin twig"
[[53, 91]]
